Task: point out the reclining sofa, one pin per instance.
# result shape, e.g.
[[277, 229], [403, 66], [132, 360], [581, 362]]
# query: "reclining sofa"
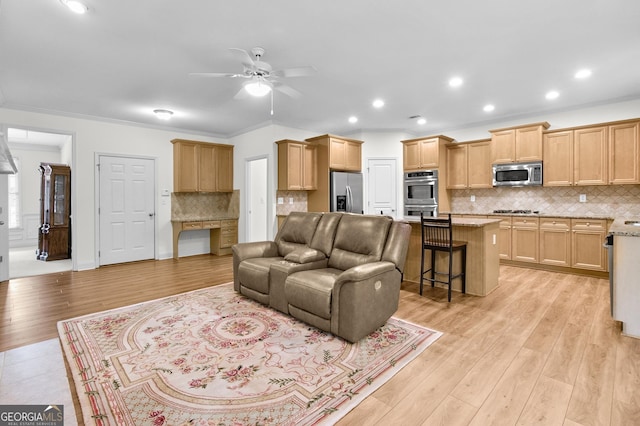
[[339, 272]]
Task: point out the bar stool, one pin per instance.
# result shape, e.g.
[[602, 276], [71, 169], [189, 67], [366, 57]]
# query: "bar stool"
[[437, 235]]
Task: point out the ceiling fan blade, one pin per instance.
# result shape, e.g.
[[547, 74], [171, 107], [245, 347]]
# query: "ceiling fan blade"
[[215, 74], [242, 94], [287, 90], [243, 56], [295, 72]]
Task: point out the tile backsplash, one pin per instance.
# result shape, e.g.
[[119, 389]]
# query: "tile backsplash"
[[205, 206], [299, 204], [608, 201]]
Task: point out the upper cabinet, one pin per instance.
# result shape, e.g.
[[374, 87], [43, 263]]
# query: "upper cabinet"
[[469, 165], [624, 153], [518, 144], [424, 153], [202, 166], [296, 165], [558, 158], [590, 156], [344, 154]]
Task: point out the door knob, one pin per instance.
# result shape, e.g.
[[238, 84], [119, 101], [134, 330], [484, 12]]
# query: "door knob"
[[1, 222], [151, 214]]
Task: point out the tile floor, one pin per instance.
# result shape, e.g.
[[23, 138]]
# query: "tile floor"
[[35, 374]]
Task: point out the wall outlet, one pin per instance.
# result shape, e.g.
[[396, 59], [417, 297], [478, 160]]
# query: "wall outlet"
[[473, 198], [583, 198], [280, 200]]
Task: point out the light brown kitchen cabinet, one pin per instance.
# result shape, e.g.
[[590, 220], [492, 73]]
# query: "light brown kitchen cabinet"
[[296, 165], [525, 239], [504, 239], [479, 164], [424, 153], [558, 158], [457, 168], [202, 166], [555, 241], [587, 237], [518, 144], [590, 156], [624, 153]]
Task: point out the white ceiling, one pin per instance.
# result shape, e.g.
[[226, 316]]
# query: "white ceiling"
[[125, 58]]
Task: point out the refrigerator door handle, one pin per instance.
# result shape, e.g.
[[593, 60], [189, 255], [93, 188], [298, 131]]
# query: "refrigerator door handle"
[[349, 200]]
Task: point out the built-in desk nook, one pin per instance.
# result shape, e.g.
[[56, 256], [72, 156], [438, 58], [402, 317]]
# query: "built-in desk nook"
[[222, 234], [483, 260]]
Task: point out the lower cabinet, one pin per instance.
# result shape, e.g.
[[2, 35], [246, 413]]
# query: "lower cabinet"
[[555, 241], [587, 251], [524, 239], [504, 239]]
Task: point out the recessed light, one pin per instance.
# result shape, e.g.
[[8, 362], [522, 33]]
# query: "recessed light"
[[421, 121], [456, 82], [378, 103], [353, 119], [75, 6], [163, 114], [552, 95], [583, 73], [488, 108]]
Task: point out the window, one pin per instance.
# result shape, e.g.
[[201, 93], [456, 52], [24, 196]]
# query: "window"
[[15, 207]]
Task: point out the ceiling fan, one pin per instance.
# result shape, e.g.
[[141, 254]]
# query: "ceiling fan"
[[260, 77]]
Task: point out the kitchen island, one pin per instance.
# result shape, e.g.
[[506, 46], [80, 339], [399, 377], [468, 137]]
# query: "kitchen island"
[[625, 284], [483, 260]]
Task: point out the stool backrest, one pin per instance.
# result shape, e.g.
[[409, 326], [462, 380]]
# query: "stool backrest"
[[436, 231]]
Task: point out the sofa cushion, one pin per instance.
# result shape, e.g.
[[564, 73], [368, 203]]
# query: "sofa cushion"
[[326, 232], [296, 231], [254, 273], [311, 290], [359, 239]]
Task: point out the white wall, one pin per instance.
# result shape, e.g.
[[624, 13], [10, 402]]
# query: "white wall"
[[93, 136]]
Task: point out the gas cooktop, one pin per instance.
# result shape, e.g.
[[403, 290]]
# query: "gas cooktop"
[[517, 211]]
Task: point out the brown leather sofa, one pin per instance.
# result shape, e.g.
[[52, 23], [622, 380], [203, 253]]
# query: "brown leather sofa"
[[339, 272]]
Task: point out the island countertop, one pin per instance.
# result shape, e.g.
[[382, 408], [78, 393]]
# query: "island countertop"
[[620, 228]]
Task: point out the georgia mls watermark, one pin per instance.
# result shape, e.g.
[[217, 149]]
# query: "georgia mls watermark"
[[31, 415]]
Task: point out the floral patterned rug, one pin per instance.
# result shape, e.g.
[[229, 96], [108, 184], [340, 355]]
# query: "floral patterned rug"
[[214, 357]]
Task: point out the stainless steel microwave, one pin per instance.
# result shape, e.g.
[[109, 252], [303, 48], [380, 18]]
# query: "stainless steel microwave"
[[517, 174]]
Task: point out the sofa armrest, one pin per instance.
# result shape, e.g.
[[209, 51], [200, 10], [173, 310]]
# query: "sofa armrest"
[[305, 255], [364, 272], [251, 250]]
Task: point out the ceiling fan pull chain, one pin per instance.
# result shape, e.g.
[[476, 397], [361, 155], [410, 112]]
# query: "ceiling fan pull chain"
[[272, 102]]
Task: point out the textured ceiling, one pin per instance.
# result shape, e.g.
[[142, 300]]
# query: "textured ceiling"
[[125, 58]]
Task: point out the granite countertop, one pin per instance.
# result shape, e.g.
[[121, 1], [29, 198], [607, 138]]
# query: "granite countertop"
[[620, 228], [568, 216], [201, 219], [459, 221]]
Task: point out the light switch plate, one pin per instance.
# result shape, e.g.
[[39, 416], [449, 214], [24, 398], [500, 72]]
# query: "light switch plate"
[[583, 198], [290, 200], [280, 200]]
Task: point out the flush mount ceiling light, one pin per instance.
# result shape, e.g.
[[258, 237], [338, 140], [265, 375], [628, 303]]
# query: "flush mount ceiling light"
[[456, 82], [583, 73], [163, 114], [552, 95], [258, 87], [353, 119], [419, 119], [75, 6], [378, 103], [488, 108]]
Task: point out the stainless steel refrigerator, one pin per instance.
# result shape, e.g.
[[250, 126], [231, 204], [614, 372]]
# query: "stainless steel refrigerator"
[[346, 192]]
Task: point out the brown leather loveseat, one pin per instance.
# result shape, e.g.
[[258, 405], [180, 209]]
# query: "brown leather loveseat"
[[339, 272]]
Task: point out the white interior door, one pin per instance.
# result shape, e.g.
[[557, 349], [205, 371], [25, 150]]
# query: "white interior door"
[[257, 196], [127, 209], [4, 228], [382, 186]]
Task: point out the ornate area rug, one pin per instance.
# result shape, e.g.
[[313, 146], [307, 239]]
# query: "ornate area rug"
[[214, 357]]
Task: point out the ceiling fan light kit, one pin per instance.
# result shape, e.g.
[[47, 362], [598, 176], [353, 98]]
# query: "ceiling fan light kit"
[[163, 114], [257, 88]]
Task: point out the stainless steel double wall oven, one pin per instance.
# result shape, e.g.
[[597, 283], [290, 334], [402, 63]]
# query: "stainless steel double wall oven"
[[421, 193]]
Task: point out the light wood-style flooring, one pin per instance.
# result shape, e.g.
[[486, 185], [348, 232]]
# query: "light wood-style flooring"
[[541, 349]]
